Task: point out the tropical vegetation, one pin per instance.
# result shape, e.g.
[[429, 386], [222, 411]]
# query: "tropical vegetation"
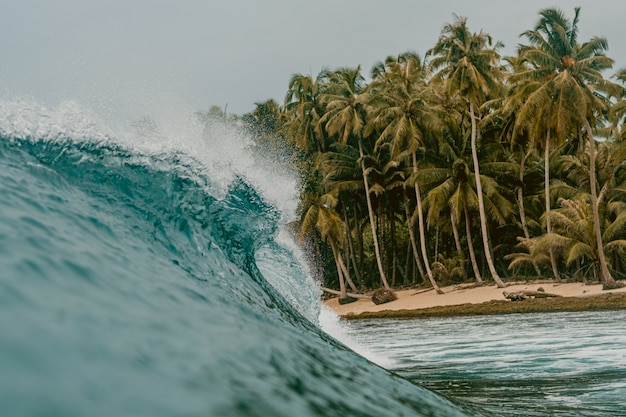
[[460, 165]]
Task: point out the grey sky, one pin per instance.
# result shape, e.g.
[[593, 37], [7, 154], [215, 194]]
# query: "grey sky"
[[127, 58]]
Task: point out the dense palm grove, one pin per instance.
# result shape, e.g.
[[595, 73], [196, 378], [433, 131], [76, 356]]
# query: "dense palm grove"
[[463, 165]]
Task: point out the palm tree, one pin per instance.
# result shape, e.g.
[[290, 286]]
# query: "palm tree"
[[454, 192], [570, 91], [402, 115], [468, 66], [322, 216], [345, 119], [453, 188], [521, 141]]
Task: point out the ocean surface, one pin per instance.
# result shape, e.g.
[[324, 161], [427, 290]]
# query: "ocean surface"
[[149, 272], [558, 364]]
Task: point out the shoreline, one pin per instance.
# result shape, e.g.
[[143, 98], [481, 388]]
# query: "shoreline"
[[469, 299]]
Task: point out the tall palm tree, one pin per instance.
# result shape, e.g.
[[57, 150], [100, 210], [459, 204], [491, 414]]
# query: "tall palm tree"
[[521, 141], [570, 93], [468, 65], [402, 115], [345, 119]]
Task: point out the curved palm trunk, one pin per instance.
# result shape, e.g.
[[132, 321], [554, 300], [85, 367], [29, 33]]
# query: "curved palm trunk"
[[607, 278], [546, 182], [481, 203], [470, 246], [370, 211], [420, 220], [346, 275]]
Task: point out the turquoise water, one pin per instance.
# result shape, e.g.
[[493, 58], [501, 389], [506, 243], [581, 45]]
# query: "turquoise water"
[[149, 274], [559, 364]]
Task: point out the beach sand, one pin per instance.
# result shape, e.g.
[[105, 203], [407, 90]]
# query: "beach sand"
[[464, 294]]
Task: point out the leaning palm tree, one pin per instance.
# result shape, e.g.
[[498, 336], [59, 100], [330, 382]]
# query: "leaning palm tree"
[[345, 120], [468, 65], [534, 119], [571, 91], [322, 216]]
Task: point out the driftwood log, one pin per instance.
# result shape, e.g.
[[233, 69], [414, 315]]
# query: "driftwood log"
[[525, 294], [350, 294]]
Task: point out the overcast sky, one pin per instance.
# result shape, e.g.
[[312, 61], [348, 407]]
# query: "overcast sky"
[[128, 58]]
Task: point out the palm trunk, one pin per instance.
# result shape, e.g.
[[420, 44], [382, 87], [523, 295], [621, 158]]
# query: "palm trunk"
[[481, 203], [370, 211], [420, 219], [345, 272], [470, 246], [607, 278], [546, 180]]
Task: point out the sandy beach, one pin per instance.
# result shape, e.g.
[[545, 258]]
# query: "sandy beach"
[[464, 294]]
